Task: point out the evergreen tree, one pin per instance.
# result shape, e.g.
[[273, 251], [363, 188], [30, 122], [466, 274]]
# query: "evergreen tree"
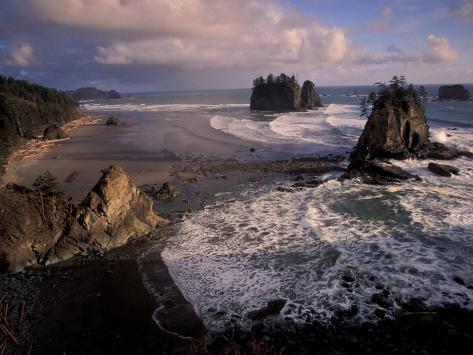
[[47, 185], [270, 79]]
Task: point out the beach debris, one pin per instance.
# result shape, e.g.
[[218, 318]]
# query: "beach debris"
[[114, 121], [38, 146], [72, 176], [8, 330]]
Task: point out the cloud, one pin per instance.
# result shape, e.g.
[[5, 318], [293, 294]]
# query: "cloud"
[[439, 50], [18, 55], [198, 33], [436, 50], [463, 11]]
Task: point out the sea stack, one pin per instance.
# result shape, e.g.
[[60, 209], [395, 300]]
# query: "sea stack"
[[309, 97], [453, 92], [276, 94], [396, 129]]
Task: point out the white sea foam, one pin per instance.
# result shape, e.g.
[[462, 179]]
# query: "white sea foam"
[[411, 239], [330, 130]]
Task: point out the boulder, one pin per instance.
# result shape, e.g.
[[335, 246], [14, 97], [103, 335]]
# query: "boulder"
[[166, 191], [272, 308], [54, 132], [309, 97], [443, 170], [114, 121], [39, 229], [113, 212], [394, 131], [284, 96], [439, 151], [453, 92]]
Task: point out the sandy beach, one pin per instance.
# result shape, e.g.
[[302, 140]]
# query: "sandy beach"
[[91, 147]]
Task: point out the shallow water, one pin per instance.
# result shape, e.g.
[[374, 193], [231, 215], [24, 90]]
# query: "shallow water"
[[324, 249]]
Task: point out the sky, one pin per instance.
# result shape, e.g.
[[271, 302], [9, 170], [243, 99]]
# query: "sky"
[[165, 45]]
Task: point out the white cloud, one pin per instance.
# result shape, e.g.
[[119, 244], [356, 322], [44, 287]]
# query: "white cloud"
[[198, 33], [439, 50], [436, 50], [19, 55]]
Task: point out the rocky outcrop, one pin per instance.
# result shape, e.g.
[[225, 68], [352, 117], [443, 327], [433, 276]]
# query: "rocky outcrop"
[[377, 172], [309, 97], [166, 191], [39, 229], [284, 96], [114, 121], [394, 131], [439, 151], [53, 132], [453, 92], [443, 170], [30, 225]]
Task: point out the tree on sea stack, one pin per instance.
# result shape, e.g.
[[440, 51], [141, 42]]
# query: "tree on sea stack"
[[396, 129]]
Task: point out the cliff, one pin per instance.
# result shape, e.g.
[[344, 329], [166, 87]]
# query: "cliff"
[[453, 92], [91, 93], [25, 109], [40, 229], [277, 96]]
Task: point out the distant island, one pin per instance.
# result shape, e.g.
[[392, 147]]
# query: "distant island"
[[91, 93], [283, 93], [453, 92], [26, 108]]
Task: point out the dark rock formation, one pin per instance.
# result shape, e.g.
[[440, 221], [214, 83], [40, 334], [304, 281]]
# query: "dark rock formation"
[[453, 92], [91, 93], [114, 121], [394, 131], [53, 132], [26, 108], [272, 308], [38, 229], [435, 150], [443, 170], [309, 97], [283, 96], [166, 191], [377, 172]]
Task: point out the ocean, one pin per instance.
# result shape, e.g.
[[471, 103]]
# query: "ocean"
[[325, 249]]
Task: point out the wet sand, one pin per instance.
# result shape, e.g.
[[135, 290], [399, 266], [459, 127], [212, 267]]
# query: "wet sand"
[[81, 158]]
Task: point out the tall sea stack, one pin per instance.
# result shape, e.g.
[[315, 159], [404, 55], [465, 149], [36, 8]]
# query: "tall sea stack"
[[309, 97]]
